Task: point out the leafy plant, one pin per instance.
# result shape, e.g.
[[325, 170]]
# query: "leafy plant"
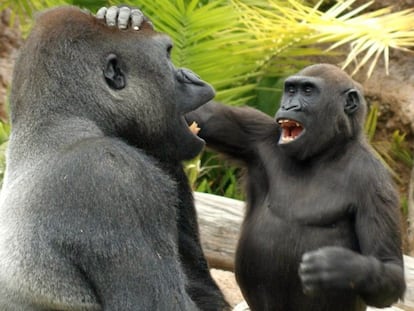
[[371, 122], [214, 176], [244, 48], [400, 149], [4, 136], [371, 34], [389, 151], [26, 8], [208, 38]]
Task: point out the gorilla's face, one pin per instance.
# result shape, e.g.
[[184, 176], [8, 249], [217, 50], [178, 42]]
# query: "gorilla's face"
[[142, 77], [317, 111]]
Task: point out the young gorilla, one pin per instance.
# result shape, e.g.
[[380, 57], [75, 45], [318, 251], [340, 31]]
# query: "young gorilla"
[[94, 183], [321, 230]]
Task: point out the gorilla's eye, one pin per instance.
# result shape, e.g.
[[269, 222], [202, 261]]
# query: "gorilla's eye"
[[169, 49], [308, 89], [290, 89]]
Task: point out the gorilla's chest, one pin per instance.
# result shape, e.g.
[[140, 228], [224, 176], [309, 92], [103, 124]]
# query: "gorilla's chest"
[[309, 196], [302, 210]]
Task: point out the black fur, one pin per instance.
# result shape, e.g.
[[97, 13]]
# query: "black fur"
[[321, 230], [95, 200]]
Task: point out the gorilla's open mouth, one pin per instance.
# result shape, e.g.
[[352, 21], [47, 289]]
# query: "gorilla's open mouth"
[[291, 130]]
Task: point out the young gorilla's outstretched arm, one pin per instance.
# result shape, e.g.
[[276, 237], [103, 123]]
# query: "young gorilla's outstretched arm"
[[235, 131]]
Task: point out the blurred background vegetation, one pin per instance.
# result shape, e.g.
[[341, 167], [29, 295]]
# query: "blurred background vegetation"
[[245, 48]]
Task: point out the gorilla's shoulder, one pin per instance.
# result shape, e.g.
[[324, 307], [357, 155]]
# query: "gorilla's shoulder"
[[96, 170], [104, 152], [367, 169], [105, 162]]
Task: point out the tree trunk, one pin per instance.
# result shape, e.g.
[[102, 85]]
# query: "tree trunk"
[[219, 219]]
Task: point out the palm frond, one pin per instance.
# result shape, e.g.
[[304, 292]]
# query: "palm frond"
[[19, 7], [208, 39], [25, 9], [371, 34]]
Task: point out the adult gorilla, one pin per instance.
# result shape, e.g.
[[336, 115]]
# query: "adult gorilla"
[[200, 285], [94, 183], [321, 230]]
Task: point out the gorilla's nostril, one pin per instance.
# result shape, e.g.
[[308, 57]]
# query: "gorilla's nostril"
[[187, 76]]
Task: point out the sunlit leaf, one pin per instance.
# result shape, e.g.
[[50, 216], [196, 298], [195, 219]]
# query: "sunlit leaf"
[[370, 34]]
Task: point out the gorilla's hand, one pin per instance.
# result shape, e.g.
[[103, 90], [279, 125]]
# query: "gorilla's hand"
[[333, 268], [122, 17]]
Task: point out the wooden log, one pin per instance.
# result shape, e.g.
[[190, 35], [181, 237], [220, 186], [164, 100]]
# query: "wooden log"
[[220, 220]]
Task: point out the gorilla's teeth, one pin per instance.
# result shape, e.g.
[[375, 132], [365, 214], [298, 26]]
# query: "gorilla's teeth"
[[282, 121], [286, 139]]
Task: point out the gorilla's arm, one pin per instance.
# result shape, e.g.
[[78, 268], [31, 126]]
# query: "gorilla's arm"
[[234, 131], [376, 273], [380, 240]]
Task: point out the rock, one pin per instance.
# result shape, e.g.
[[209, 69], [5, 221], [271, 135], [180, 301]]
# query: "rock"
[[393, 92]]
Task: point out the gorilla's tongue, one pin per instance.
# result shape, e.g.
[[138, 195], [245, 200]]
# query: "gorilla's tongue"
[[290, 130]]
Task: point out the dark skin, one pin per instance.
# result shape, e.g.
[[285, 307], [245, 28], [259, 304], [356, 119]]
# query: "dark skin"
[[321, 230], [95, 210]]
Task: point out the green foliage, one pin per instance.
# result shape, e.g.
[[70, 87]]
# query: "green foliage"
[[267, 95], [4, 132], [389, 151], [4, 136], [26, 8], [92, 5], [400, 150], [244, 48], [208, 39], [371, 122], [273, 24], [214, 176]]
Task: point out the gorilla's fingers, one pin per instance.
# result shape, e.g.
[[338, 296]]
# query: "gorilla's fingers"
[[136, 19], [123, 17], [101, 13], [111, 15]]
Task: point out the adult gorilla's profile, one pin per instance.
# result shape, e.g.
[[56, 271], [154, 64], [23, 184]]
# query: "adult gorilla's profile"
[[89, 205]]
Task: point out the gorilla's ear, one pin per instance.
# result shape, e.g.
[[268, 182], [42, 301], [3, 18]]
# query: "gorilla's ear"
[[352, 101], [113, 73]]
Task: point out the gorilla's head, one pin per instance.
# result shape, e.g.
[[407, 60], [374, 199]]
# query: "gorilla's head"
[[122, 80], [322, 107]]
